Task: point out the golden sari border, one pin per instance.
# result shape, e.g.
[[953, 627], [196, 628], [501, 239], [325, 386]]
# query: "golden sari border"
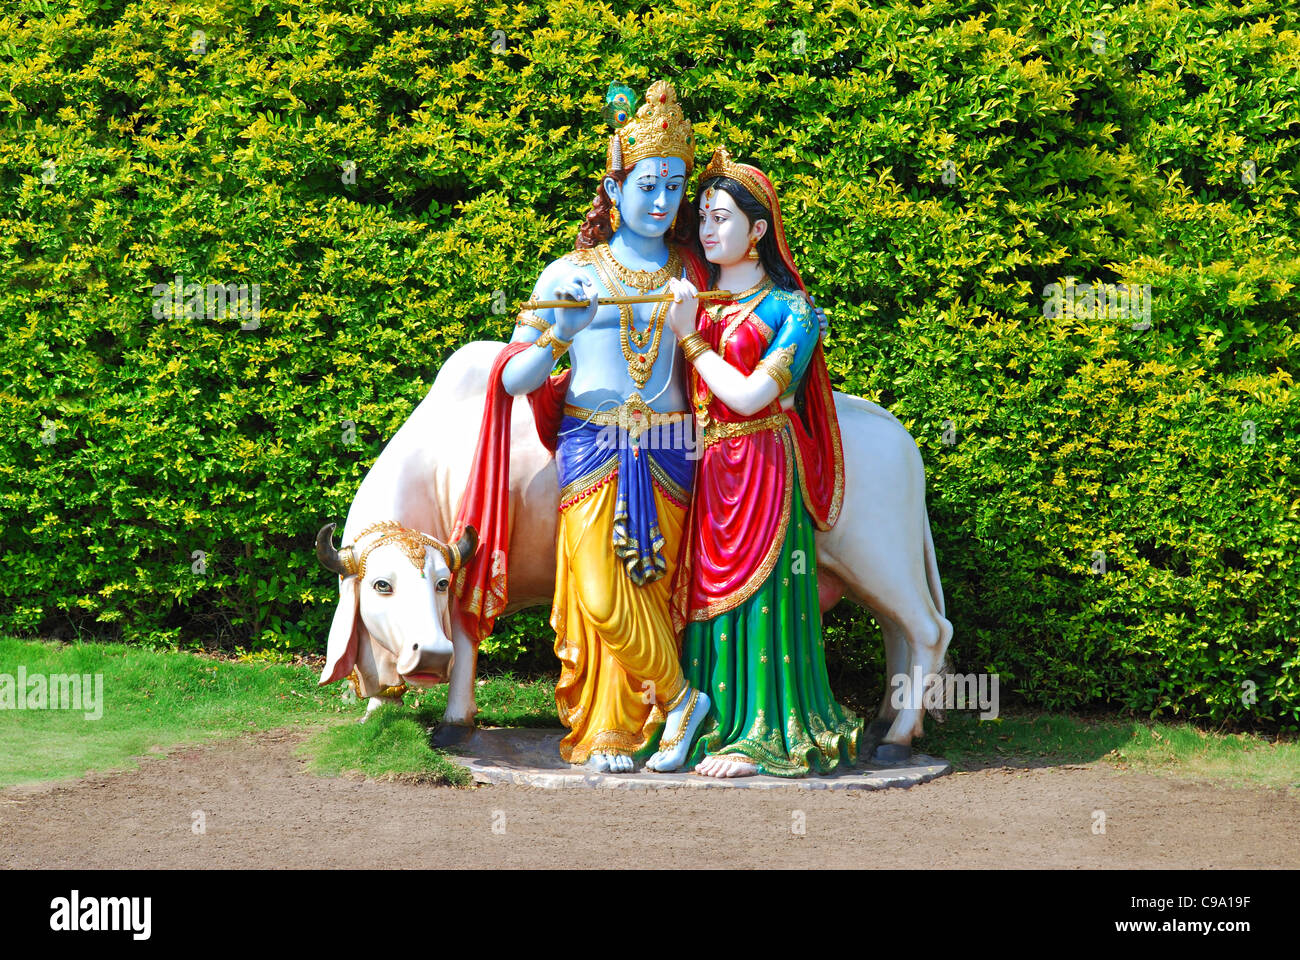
[[837, 495], [746, 313]]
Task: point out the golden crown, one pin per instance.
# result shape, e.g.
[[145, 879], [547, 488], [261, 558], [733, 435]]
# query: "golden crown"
[[658, 130], [721, 165]]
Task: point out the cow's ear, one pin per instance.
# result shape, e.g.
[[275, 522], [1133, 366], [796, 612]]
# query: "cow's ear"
[[341, 654]]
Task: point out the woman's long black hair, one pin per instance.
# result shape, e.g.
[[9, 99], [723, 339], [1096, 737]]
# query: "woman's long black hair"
[[754, 210]]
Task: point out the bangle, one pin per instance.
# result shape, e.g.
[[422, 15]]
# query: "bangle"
[[694, 345], [557, 345]]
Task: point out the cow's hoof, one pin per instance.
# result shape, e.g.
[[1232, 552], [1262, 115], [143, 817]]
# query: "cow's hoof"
[[873, 733], [447, 735], [891, 754]]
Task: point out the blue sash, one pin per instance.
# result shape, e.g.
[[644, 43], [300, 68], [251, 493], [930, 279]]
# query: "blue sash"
[[664, 450]]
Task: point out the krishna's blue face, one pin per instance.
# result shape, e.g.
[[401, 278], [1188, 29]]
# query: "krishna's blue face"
[[649, 198]]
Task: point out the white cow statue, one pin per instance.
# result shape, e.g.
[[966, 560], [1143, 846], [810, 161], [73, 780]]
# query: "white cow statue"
[[394, 623]]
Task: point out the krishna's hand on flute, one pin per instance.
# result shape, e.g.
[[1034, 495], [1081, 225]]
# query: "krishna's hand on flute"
[[569, 322]]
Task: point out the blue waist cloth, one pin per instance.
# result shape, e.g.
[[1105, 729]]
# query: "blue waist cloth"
[[636, 539]]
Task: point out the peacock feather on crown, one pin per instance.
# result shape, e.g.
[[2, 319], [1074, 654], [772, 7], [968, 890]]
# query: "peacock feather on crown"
[[658, 128]]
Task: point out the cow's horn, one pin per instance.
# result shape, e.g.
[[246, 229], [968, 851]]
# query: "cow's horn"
[[329, 557], [464, 547]]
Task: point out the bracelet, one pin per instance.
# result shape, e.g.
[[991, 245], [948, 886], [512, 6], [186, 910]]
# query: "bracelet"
[[694, 345], [557, 345]]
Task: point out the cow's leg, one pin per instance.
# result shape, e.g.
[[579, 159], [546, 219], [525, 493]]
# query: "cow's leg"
[[927, 632], [898, 662], [458, 721]]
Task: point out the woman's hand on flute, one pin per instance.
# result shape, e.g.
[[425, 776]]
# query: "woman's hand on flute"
[[683, 309]]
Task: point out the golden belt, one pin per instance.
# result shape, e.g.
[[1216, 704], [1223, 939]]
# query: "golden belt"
[[633, 415], [723, 430]]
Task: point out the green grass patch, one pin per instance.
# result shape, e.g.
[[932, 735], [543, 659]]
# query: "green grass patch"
[[392, 745], [1052, 739], [394, 742], [152, 701], [503, 701]]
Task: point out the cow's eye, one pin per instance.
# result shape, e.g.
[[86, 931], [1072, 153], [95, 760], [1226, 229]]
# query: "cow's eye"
[[383, 586], [442, 585]]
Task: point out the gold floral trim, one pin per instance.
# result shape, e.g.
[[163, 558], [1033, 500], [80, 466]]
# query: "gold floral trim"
[[577, 489], [729, 430], [798, 307], [495, 606], [837, 495], [777, 366]]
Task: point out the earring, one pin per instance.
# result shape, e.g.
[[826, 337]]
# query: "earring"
[[613, 216], [752, 252]]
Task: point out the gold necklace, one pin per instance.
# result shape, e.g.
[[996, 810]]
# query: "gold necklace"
[[642, 281], [627, 328], [716, 309], [640, 365]]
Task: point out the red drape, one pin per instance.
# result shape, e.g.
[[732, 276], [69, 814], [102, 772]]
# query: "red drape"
[[481, 583]]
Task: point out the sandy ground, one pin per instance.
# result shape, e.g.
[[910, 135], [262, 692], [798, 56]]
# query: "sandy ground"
[[262, 809]]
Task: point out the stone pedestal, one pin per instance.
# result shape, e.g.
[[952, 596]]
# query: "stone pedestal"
[[531, 757]]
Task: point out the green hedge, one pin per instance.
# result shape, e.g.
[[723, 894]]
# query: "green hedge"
[[939, 166]]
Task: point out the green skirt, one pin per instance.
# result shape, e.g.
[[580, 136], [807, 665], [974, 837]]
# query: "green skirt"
[[763, 665]]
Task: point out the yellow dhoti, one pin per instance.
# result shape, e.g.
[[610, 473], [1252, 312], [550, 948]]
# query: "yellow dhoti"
[[615, 639]]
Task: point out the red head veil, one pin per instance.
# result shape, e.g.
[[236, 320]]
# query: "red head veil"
[[816, 427]]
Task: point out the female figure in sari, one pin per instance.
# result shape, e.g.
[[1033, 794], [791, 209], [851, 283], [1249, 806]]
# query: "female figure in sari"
[[770, 473]]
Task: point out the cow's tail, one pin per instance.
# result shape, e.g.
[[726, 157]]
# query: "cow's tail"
[[936, 594], [932, 568]]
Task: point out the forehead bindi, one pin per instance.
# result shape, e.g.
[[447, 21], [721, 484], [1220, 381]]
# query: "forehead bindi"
[[717, 201], [650, 179]]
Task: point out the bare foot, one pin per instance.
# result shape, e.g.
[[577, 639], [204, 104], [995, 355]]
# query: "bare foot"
[[610, 763], [727, 766], [676, 742]]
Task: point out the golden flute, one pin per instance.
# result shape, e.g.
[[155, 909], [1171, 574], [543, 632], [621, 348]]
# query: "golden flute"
[[615, 301]]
